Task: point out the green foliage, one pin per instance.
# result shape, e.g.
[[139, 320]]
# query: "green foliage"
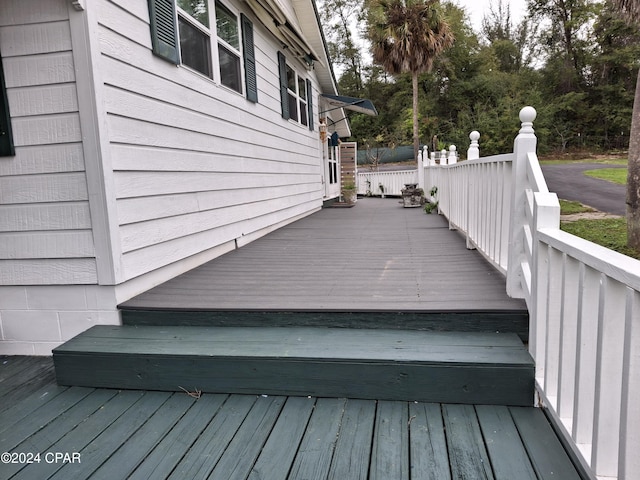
[[580, 78]]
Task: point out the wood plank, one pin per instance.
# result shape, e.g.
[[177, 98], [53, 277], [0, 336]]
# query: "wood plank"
[[111, 438], [313, 458], [467, 452], [428, 447], [81, 436], [390, 451], [353, 449], [548, 457], [43, 440], [280, 449], [23, 429], [205, 453], [175, 444], [237, 461], [509, 458], [27, 401], [136, 449]]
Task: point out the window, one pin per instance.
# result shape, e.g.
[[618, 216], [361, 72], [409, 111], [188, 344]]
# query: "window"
[[201, 33], [6, 138], [228, 48], [295, 94]]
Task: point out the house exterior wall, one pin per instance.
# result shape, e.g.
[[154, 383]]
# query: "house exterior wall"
[[130, 170]]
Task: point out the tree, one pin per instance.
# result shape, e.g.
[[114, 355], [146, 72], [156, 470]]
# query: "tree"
[[406, 37], [631, 11]]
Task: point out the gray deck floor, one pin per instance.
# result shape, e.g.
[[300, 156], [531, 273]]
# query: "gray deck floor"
[[53, 432], [376, 256]]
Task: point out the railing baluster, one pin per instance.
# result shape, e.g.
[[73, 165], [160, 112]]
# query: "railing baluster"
[[608, 395]]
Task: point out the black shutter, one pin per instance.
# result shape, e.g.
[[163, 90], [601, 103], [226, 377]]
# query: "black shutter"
[[284, 97], [6, 137], [310, 103], [249, 53], [164, 33]]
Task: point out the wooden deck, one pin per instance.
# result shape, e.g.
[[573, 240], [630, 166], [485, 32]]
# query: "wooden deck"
[[374, 258], [109, 433]]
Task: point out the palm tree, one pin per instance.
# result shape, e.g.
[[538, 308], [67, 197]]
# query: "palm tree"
[[631, 11], [406, 37]]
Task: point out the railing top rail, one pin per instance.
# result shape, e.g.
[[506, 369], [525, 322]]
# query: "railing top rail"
[[534, 173], [505, 157], [620, 267]]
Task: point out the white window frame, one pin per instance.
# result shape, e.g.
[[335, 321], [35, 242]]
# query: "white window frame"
[[301, 106]]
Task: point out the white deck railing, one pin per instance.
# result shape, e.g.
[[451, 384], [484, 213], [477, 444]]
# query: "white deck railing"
[[388, 183], [583, 299]]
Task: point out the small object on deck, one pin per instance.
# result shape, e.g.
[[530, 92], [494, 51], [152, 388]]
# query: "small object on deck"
[[412, 196]]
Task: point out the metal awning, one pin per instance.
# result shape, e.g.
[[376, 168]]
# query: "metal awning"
[[361, 105]]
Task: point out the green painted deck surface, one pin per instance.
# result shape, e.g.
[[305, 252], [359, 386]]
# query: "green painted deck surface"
[[160, 435], [453, 367], [374, 257]]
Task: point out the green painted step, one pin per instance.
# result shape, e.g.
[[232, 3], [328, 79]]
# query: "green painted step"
[[490, 321], [442, 367]]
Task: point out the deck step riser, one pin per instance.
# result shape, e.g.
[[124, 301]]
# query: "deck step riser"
[[466, 368], [489, 322], [465, 384]]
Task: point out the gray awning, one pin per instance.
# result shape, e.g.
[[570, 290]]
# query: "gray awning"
[[361, 105]]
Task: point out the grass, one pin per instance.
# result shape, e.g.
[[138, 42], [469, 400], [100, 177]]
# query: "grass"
[[570, 207], [601, 161], [615, 175], [608, 232]]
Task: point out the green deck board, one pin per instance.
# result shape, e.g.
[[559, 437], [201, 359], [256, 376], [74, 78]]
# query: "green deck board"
[[132, 451], [429, 456], [141, 435], [238, 459], [20, 431], [353, 448], [174, 445], [313, 459], [504, 446], [28, 403], [545, 451], [389, 455], [81, 436], [467, 453], [112, 437], [205, 453], [280, 449]]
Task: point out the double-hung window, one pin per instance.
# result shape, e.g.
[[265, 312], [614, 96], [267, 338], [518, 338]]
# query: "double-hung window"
[[295, 94], [208, 37]]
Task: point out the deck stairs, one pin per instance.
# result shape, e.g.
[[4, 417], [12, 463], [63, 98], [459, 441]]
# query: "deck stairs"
[[411, 357]]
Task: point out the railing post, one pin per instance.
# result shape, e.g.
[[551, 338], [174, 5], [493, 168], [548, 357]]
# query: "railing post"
[[453, 158], [421, 156], [473, 153], [524, 143]]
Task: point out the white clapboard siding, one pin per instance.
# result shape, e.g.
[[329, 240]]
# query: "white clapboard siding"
[[67, 271], [27, 101], [132, 210], [45, 224], [13, 12], [139, 235], [45, 130], [44, 217], [35, 38], [141, 261], [55, 244], [65, 157], [63, 187], [44, 69]]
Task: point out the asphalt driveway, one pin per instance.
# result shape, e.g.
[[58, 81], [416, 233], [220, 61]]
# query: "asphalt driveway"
[[570, 183]]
